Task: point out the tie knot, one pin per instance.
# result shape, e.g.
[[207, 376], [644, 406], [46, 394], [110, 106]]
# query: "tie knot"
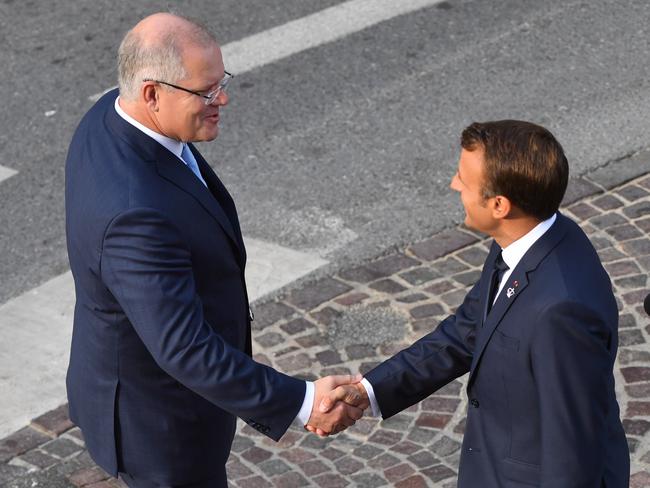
[[500, 264]]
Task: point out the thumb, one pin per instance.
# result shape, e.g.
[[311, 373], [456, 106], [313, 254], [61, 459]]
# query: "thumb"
[[344, 379]]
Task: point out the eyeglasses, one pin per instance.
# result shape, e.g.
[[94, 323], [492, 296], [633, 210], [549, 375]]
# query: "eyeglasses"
[[209, 97]]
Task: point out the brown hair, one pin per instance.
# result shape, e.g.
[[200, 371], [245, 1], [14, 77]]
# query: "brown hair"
[[523, 162]]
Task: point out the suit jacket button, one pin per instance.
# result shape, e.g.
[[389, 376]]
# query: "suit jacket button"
[[474, 402]]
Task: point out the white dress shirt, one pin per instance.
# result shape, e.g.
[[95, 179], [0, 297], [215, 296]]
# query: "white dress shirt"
[[176, 148], [511, 255]]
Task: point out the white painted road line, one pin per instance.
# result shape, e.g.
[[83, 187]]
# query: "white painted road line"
[[6, 172], [36, 329], [308, 32]]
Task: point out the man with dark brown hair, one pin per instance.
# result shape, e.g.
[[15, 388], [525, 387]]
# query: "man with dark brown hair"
[[537, 333]]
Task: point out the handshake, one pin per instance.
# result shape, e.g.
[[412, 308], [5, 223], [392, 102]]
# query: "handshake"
[[339, 401]]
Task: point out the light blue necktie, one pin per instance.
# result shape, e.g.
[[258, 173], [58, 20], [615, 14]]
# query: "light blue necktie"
[[191, 163]]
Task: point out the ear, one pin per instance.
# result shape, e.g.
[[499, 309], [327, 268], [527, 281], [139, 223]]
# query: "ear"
[[501, 207], [149, 93]]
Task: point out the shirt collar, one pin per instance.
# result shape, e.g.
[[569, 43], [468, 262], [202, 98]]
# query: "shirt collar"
[[172, 145], [513, 253]]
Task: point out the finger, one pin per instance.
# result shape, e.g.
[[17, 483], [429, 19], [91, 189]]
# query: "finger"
[[327, 403], [321, 433], [343, 379], [354, 413], [310, 428]]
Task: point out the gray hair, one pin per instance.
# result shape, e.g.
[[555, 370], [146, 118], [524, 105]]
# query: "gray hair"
[[160, 59]]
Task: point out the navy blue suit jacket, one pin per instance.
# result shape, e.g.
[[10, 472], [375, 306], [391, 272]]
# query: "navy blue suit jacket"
[[542, 410], [160, 361]]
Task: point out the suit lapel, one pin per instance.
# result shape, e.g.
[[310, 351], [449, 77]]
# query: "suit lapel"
[[220, 192], [170, 168], [514, 287]]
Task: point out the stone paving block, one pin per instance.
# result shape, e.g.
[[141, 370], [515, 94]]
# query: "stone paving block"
[[636, 427], [269, 339], [55, 422], [311, 295], [19, 442], [256, 454], [331, 481], [468, 278], [38, 458], [440, 404], [387, 286], [326, 316], [607, 202], [433, 420], [351, 299], [636, 281], [622, 268], [412, 298], [428, 310], [269, 313], [399, 472], [630, 338], [637, 247], [415, 481], [348, 465], [419, 276], [610, 254], [274, 467], [624, 232], [636, 374], [442, 244], [297, 455], [446, 446], [440, 288], [314, 467], [236, 469], [297, 326], [391, 265], [367, 451], [384, 461], [639, 390], [332, 453], [579, 188], [329, 357], [400, 422], [422, 459], [368, 480], [632, 192], [438, 473], [583, 210], [88, 476], [604, 221]]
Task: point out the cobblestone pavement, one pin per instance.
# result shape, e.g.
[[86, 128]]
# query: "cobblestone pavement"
[[350, 321]]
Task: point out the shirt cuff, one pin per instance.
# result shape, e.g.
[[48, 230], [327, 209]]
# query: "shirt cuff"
[[307, 405], [374, 406]]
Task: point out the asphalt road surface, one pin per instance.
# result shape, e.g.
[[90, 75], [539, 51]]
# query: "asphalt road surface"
[[344, 149]]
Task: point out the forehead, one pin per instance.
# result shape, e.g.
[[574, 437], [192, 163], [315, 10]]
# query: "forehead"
[[471, 164], [203, 63]]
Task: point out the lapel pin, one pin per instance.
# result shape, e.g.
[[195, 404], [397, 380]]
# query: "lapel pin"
[[510, 292]]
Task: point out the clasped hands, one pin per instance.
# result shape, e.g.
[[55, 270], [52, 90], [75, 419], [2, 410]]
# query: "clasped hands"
[[339, 401]]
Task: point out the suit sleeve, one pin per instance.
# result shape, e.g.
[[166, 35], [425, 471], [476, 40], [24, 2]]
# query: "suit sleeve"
[[572, 363], [430, 363], [148, 268]]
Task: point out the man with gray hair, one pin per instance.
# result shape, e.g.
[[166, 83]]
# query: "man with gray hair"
[[160, 362]]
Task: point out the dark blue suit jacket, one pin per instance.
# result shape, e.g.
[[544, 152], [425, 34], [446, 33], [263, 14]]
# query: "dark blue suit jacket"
[[160, 361], [543, 410]]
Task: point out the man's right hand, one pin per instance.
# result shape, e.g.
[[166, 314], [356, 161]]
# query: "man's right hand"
[[330, 416]]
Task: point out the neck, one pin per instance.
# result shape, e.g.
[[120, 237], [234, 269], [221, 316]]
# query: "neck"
[[513, 229], [142, 115]]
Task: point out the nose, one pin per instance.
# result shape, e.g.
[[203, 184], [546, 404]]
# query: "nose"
[[221, 99], [455, 184]]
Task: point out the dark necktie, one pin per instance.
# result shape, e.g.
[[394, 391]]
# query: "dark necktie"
[[500, 267]]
